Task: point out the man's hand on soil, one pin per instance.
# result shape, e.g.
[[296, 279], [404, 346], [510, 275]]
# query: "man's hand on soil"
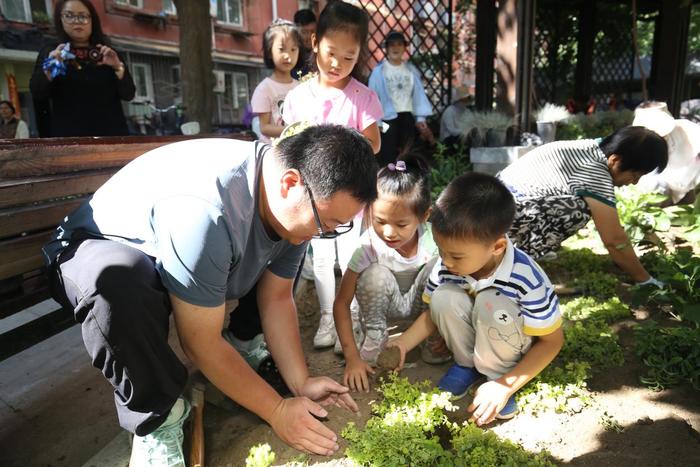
[[294, 422], [325, 391]]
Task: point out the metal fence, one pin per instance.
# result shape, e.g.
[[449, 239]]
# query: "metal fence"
[[427, 25]]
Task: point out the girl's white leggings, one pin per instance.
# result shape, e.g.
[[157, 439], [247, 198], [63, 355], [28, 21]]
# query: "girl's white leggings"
[[324, 255]]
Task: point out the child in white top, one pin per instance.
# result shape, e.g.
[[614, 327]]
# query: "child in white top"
[[334, 95], [389, 270], [281, 43]]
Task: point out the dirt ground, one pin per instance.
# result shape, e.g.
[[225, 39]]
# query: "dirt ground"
[[659, 428]]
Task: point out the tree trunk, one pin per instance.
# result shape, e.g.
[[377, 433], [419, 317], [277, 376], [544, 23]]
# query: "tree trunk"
[[196, 66]]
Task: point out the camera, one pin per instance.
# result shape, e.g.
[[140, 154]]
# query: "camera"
[[94, 54]]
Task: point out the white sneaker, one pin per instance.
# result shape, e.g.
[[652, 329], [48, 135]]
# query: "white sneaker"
[[357, 334], [325, 336], [374, 343], [163, 447]]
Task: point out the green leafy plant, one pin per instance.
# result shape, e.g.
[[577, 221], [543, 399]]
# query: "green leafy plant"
[[680, 271], [260, 455], [609, 423], [410, 427], [573, 261], [472, 446], [559, 388], [401, 430], [596, 283], [687, 216], [609, 311], [448, 163], [671, 355], [583, 269], [640, 214], [593, 342]]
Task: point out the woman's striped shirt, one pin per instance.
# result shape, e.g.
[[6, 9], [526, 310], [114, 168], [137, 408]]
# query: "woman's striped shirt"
[[576, 168]]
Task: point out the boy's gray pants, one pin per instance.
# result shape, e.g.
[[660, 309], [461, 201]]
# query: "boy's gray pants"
[[485, 332], [383, 294]]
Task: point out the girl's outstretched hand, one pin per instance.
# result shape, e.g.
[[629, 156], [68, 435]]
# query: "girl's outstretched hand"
[[355, 376]]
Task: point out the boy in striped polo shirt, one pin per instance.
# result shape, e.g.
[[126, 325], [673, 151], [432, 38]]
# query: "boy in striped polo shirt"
[[492, 303]]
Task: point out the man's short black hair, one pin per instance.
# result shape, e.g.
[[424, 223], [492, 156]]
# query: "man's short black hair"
[[304, 16], [474, 206], [638, 148], [332, 158]]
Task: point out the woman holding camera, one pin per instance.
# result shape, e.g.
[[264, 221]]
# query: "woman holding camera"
[[79, 92]]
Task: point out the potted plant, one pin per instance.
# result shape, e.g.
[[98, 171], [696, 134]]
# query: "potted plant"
[[469, 123], [485, 128], [496, 126], [547, 118]]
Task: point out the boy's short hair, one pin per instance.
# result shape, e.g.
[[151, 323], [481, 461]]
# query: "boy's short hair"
[[474, 206], [304, 16], [394, 36]]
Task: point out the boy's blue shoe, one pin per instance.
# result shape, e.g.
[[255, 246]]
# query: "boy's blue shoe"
[[458, 380], [509, 410]]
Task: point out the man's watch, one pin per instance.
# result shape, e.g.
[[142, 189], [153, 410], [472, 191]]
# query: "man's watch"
[[119, 68]]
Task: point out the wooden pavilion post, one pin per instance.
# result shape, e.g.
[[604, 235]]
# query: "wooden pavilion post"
[[670, 54], [485, 53], [524, 71], [584, 57]]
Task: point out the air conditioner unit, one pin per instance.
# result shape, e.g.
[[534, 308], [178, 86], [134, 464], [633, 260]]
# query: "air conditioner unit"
[[219, 81]]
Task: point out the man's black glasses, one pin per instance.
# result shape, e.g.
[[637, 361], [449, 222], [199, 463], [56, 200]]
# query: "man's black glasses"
[[339, 230]]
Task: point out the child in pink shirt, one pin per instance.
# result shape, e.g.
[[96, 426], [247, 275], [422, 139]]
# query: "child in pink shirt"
[[334, 95], [281, 43], [355, 106]]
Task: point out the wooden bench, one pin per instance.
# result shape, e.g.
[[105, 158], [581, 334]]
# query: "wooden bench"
[[42, 180]]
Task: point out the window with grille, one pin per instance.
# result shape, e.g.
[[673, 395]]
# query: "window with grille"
[[143, 81], [230, 12]]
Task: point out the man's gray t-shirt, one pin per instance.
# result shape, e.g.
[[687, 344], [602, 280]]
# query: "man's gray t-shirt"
[[193, 206]]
